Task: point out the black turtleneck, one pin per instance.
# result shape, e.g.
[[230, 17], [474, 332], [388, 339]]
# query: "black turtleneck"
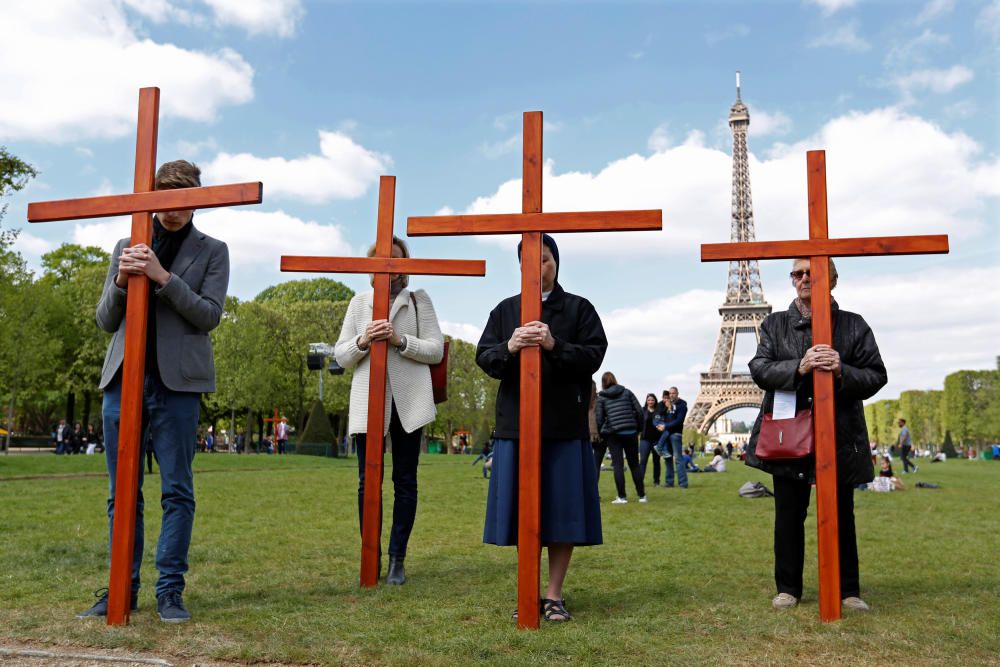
[[166, 245]]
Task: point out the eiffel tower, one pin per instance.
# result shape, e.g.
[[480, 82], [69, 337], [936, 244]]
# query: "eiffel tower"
[[722, 389]]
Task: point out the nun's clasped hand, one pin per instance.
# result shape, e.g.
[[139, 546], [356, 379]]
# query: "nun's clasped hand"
[[531, 334]]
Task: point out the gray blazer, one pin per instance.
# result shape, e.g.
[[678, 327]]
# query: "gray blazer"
[[187, 308]]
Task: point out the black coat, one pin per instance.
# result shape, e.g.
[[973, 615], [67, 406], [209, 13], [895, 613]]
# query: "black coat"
[[784, 338], [566, 369], [618, 411]]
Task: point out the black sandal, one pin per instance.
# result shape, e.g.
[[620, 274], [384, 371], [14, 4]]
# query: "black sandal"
[[555, 611], [541, 609]]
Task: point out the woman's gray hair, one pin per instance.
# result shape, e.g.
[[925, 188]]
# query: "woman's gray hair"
[[396, 241], [833, 269]]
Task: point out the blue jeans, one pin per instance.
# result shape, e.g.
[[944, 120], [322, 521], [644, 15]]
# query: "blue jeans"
[[170, 424], [677, 447]]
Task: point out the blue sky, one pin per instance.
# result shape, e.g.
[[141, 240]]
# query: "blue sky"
[[318, 99]]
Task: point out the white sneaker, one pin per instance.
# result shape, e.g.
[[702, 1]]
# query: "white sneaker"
[[784, 601], [619, 501], [643, 500], [857, 604]]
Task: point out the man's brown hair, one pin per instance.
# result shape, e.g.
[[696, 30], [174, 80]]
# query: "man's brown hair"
[[177, 174]]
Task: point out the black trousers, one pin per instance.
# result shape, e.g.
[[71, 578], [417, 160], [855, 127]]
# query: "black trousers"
[[405, 456], [600, 448], [907, 461], [645, 449], [791, 502], [627, 447]]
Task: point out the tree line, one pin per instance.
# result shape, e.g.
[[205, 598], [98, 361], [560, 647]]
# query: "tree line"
[[966, 411]]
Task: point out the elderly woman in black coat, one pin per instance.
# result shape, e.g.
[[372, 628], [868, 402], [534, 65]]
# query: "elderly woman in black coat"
[[573, 344], [785, 361]]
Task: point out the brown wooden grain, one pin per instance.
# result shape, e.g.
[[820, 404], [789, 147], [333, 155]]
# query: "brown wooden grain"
[[848, 247], [133, 374], [415, 266], [159, 201], [520, 223]]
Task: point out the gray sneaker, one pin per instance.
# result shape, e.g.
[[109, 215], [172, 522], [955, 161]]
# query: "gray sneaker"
[[784, 601], [170, 607], [855, 603], [100, 607]]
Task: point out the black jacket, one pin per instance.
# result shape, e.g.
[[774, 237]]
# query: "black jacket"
[[618, 411], [784, 338], [566, 369]]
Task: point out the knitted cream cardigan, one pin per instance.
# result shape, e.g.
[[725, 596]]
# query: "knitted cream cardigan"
[[409, 377]]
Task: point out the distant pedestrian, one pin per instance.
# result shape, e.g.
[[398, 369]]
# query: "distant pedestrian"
[[905, 447], [619, 419], [648, 438]]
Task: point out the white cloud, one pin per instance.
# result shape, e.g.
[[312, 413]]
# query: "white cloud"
[[920, 345], [86, 52], [764, 123], [934, 80], [192, 150], [279, 17], [31, 246], [889, 172], [162, 11], [461, 330], [934, 9], [988, 20], [917, 51], [256, 240], [342, 170], [735, 31], [832, 6], [497, 149], [660, 140], [844, 37]]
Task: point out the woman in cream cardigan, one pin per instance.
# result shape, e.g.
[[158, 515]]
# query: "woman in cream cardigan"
[[415, 342]]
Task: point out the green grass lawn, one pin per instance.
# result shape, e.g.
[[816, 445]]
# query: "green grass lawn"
[[684, 579]]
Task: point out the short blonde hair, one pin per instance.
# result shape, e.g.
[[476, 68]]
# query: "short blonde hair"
[[177, 174], [401, 244]]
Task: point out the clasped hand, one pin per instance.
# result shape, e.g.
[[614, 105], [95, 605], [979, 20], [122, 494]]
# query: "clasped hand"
[[379, 330], [822, 357], [532, 334], [140, 260]]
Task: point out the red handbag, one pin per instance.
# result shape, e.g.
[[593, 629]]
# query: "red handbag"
[[439, 371], [782, 439]]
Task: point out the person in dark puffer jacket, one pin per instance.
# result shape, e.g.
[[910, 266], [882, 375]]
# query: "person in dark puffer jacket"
[[620, 418], [785, 361]]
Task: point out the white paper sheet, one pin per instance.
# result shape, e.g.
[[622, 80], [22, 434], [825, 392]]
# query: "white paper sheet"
[[784, 405]]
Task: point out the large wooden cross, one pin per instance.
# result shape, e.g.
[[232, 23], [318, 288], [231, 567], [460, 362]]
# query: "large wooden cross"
[[531, 223], [141, 204], [382, 265], [273, 421], [819, 249]]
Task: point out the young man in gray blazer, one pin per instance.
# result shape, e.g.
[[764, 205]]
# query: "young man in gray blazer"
[[189, 272]]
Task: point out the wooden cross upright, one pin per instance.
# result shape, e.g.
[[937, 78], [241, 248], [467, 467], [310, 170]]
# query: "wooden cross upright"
[[531, 223], [819, 249], [382, 265], [273, 421], [141, 204]]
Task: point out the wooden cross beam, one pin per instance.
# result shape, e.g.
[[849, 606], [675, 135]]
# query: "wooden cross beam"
[[531, 223], [382, 265], [273, 421], [819, 249], [140, 204]]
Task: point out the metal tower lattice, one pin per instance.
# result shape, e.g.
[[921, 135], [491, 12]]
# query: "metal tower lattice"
[[721, 389]]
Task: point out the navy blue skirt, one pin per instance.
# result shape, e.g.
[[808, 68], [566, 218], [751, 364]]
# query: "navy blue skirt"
[[571, 509]]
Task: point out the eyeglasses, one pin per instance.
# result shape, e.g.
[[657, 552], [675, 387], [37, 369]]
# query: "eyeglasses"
[[797, 275]]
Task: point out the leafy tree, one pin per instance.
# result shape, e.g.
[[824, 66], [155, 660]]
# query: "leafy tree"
[[922, 411], [471, 404], [312, 289], [970, 405]]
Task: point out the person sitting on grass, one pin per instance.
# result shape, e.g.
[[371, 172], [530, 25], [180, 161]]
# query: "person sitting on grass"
[[718, 463]]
